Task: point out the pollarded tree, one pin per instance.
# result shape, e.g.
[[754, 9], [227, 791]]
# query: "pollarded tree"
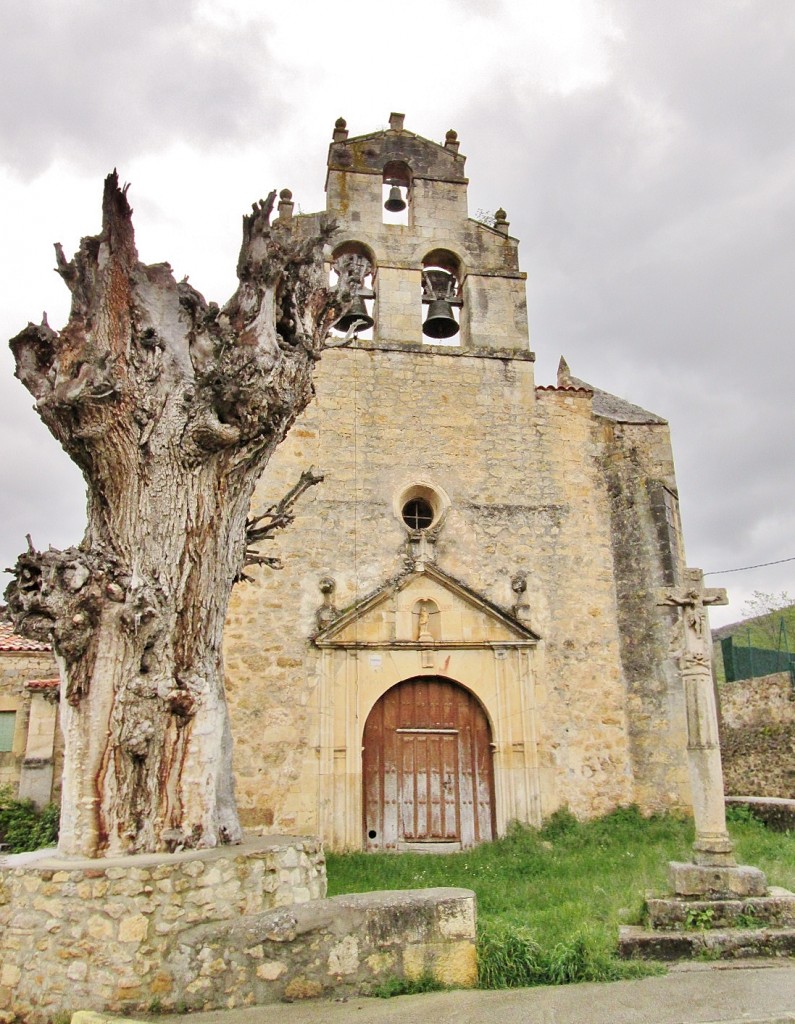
[[171, 407]]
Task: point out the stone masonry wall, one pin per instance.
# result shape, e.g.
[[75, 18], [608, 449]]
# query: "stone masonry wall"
[[104, 933], [758, 736], [345, 945], [637, 462], [527, 491]]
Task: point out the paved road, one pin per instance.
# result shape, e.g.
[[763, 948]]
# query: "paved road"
[[690, 994]]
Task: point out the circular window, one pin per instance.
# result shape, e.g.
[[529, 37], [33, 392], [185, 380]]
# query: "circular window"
[[417, 513], [421, 506]]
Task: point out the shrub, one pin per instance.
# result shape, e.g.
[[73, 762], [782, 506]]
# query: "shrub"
[[23, 827]]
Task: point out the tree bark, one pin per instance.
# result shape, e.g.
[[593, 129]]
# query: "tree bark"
[[171, 407]]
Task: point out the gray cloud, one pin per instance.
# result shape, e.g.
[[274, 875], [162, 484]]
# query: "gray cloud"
[[655, 213], [654, 209], [99, 82]]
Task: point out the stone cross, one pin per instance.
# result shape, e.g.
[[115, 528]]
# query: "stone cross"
[[693, 598], [712, 845]]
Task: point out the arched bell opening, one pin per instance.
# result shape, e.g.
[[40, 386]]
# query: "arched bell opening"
[[427, 769], [441, 298], [353, 266], [396, 192]]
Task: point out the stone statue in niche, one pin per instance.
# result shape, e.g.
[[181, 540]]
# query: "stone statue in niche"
[[426, 619]]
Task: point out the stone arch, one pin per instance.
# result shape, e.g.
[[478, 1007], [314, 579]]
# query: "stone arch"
[[354, 261], [396, 182]]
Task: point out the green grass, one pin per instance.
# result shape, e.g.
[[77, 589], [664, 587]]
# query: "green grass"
[[550, 901]]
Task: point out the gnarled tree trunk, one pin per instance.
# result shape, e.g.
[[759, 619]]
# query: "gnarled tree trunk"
[[171, 407]]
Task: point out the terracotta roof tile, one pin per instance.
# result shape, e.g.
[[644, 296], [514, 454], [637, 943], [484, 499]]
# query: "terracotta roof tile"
[[42, 684], [554, 387], [10, 641]]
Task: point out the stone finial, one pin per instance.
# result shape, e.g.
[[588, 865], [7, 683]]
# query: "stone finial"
[[396, 122], [519, 583], [327, 612], [564, 373], [501, 222], [340, 130], [521, 609], [285, 205], [451, 141]]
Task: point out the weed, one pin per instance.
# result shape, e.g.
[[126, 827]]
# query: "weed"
[[155, 1005], [561, 823], [748, 919], [395, 986], [699, 917], [511, 957], [23, 827], [739, 814]]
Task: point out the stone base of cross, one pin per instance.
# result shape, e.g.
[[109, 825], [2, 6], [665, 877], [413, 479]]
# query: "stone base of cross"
[[714, 868]]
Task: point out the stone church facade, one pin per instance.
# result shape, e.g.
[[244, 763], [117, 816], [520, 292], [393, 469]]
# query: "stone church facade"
[[466, 628]]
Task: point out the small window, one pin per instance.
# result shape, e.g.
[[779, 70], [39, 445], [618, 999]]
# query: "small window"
[[417, 514], [421, 507], [8, 720]]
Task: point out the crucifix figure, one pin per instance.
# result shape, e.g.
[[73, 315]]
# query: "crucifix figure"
[[693, 599], [712, 845]]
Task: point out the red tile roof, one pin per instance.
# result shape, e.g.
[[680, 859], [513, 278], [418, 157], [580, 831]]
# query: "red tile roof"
[[42, 684], [570, 388], [9, 641]]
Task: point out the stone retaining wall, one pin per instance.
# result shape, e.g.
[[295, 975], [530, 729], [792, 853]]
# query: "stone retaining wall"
[[346, 944], [757, 736], [103, 933], [778, 814], [766, 700]]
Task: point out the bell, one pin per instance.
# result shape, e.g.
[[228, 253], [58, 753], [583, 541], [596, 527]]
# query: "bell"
[[440, 322], [358, 311], [396, 202]]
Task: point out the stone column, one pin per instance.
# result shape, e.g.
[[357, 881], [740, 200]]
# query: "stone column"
[[714, 870]]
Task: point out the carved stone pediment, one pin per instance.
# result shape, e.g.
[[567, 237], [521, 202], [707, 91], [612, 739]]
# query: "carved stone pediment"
[[425, 609]]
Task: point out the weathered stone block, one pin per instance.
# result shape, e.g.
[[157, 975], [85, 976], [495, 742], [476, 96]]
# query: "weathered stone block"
[[717, 882], [774, 911]]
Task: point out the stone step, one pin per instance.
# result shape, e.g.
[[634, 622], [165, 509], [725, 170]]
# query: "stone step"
[[645, 944], [776, 910]]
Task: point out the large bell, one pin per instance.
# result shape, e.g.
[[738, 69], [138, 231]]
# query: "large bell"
[[440, 322], [396, 202], [358, 311]]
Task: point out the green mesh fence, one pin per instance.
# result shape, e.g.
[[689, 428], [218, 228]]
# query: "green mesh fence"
[[743, 660]]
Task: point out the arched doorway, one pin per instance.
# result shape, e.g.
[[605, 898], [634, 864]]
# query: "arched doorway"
[[427, 768]]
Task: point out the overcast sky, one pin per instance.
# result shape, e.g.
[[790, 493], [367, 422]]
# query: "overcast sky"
[[644, 152]]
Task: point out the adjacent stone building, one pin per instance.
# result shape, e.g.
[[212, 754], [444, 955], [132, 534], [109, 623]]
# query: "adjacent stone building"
[[466, 629], [31, 749]]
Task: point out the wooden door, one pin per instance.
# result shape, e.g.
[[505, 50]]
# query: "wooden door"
[[427, 768]]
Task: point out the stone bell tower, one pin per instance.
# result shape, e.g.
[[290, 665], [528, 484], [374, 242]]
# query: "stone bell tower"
[[401, 203]]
